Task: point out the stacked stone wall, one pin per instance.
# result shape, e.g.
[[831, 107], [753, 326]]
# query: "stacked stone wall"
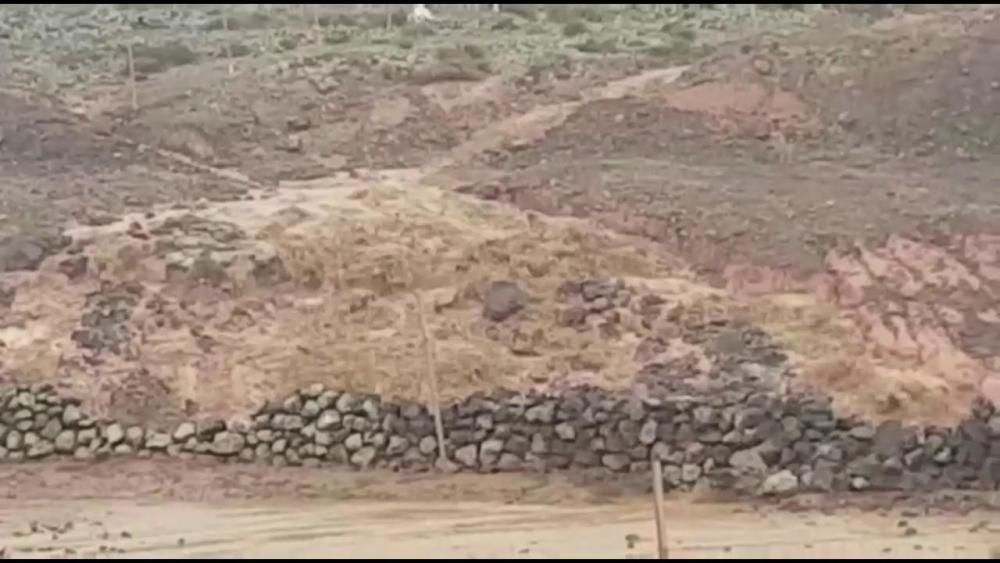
[[751, 442]]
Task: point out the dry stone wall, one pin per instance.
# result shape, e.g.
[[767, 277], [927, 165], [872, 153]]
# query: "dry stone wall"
[[750, 442]]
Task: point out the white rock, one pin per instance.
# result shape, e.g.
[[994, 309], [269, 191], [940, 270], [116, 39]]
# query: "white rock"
[[227, 443], [71, 415], [114, 434], [490, 450], [184, 431], [748, 461], [565, 431], [65, 442], [363, 457], [781, 483], [647, 434], [428, 444], [354, 442], [158, 441], [397, 445], [467, 455], [327, 419]]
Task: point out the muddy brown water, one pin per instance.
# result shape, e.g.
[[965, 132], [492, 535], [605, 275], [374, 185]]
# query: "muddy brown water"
[[143, 509]]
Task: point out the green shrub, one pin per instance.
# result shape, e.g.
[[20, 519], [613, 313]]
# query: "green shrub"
[[574, 28], [596, 46], [474, 51], [152, 59], [526, 11]]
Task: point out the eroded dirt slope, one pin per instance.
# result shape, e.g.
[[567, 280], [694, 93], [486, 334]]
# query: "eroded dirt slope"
[[781, 240], [769, 184]]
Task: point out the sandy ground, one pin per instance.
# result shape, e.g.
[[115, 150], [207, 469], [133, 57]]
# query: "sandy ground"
[[186, 509], [311, 528]]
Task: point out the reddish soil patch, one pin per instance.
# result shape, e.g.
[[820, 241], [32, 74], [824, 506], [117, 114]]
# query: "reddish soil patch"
[[728, 168]]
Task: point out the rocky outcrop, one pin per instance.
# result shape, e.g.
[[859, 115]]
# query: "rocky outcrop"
[[750, 442]]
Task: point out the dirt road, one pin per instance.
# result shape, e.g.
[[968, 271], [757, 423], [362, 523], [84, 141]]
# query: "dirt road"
[[371, 529], [137, 509]]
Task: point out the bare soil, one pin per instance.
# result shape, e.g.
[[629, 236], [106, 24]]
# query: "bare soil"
[[820, 190], [135, 509]]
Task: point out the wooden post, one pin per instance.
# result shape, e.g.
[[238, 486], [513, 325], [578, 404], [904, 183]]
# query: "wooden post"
[[131, 77], [225, 28], [661, 532], [431, 377]]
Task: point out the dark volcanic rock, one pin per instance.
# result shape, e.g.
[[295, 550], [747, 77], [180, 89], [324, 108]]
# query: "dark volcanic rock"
[[502, 300], [21, 252]]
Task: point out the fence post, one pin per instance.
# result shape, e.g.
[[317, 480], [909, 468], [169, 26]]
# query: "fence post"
[[432, 378], [661, 532], [131, 77]]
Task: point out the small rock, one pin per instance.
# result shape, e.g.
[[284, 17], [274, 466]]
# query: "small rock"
[[539, 445], [73, 267], [292, 422], [427, 445], [484, 422], [158, 441], [363, 457], [509, 462], [543, 413], [490, 451], [14, 440], [690, 472], [615, 462], [748, 461], [864, 432], [41, 449], [227, 443], [348, 403], [502, 300], [298, 124], [71, 415], [51, 430], [65, 442], [328, 419], [315, 391], [631, 540], [572, 316], [565, 431], [291, 143], [21, 253], [86, 436], [661, 451], [310, 409], [184, 431], [781, 483], [397, 445], [354, 442], [114, 434], [134, 436], [467, 455], [647, 434], [279, 446], [592, 290], [30, 439]]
